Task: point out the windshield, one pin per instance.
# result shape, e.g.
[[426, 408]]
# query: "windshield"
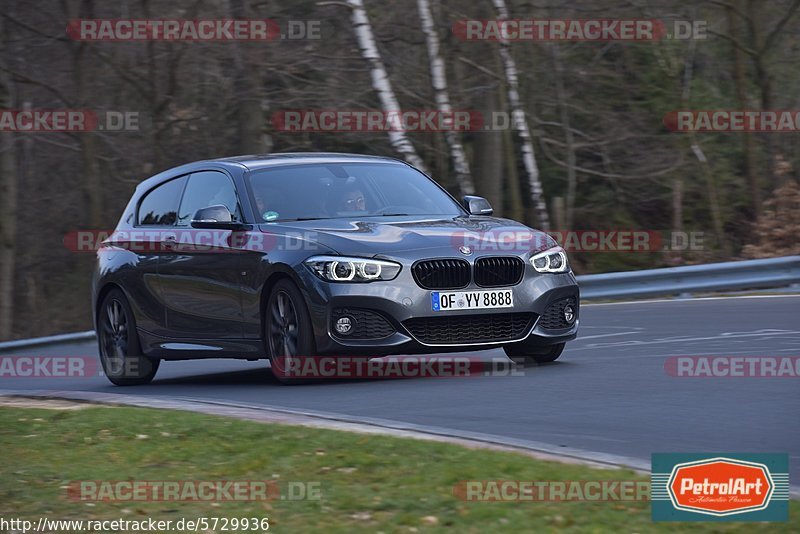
[[329, 191]]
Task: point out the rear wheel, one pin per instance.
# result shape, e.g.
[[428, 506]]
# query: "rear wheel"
[[523, 353], [120, 352], [287, 329]]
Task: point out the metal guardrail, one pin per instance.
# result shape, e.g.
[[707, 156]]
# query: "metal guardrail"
[[728, 276], [48, 340]]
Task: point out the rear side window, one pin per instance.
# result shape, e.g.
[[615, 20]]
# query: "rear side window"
[[159, 207], [207, 188]]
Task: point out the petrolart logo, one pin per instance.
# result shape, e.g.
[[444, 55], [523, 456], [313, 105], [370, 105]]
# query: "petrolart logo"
[[720, 487]]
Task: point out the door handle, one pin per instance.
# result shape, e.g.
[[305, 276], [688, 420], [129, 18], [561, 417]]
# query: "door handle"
[[169, 241]]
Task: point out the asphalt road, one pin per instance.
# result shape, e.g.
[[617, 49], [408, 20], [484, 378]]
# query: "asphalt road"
[[609, 393]]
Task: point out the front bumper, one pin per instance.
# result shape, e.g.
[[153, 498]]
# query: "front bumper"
[[402, 299]]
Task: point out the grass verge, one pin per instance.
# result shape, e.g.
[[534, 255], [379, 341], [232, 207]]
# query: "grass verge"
[[367, 483]]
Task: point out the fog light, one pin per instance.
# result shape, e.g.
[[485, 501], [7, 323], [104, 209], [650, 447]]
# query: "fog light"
[[569, 313], [344, 325]]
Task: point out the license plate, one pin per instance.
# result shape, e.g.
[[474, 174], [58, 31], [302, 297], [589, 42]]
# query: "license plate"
[[471, 300]]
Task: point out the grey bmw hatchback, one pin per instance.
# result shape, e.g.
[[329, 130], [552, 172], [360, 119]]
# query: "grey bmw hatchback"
[[305, 254]]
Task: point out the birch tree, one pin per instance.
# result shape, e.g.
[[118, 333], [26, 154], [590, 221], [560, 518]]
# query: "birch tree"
[[520, 123], [439, 83], [381, 83]]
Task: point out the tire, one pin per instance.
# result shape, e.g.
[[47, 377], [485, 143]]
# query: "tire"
[[118, 343], [287, 329], [522, 353]]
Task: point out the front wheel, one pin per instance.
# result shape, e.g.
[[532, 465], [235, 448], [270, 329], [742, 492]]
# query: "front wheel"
[[287, 330], [522, 353], [120, 352]]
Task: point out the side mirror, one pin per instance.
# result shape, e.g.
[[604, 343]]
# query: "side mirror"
[[477, 205], [214, 217]]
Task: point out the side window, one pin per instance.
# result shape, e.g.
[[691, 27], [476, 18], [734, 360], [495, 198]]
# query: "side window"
[[205, 189], [159, 207]]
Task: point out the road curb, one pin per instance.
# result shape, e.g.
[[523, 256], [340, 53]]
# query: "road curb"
[[334, 421]]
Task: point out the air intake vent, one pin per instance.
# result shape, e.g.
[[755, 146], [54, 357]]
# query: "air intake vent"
[[442, 274], [480, 328], [553, 316], [499, 271], [365, 324]]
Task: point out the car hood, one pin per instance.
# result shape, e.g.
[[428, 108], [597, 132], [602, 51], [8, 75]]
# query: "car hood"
[[408, 237]]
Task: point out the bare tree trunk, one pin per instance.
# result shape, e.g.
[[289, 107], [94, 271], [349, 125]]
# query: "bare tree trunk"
[[711, 186], [439, 83], [511, 182], [487, 148], [516, 206], [8, 209], [677, 210], [381, 83], [91, 169], [735, 30], [569, 137], [249, 92], [559, 215], [88, 140], [764, 81], [520, 124]]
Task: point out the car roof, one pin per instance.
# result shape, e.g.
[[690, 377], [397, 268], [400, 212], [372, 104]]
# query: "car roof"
[[260, 161], [266, 160]]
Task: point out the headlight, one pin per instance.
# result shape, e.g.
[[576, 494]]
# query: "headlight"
[[553, 260], [342, 269]]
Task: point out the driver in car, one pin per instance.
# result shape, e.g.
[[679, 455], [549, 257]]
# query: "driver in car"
[[352, 200]]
